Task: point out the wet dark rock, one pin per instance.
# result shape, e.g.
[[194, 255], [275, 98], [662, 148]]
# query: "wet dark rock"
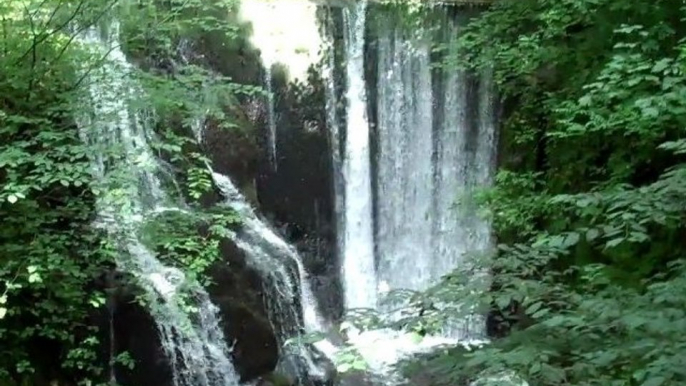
[[234, 152], [135, 333], [280, 379], [274, 379], [356, 378], [255, 349], [328, 368], [237, 292], [296, 192]]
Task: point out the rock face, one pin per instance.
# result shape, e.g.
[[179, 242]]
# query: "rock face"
[[296, 192], [296, 197], [134, 332], [234, 152], [126, 326], [236, 292]]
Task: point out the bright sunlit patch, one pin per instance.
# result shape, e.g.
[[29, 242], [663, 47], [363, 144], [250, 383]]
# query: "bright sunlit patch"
[[286, 32], [383, 348]]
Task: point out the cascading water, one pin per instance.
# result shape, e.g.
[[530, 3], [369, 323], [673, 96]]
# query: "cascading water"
[[435, 142], [405, 185], [271, 114], [270, 255], [193, 342], [293, 44], [435, 136], [358, 240]]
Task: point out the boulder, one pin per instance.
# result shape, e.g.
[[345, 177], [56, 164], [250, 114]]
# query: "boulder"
[[237, 291], [255, 350], [134, 332]]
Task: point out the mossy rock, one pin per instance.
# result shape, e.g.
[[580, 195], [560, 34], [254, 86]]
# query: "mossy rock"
[[275, 379]]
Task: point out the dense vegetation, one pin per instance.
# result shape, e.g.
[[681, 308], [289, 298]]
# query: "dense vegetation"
[[54, 264], [588, 283]]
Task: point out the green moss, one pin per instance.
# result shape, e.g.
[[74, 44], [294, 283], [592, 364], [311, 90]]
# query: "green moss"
[[277, 379]]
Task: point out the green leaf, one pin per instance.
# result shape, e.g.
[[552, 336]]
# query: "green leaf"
[[3, 312], [535, 368], [533, 308], [614, 242], [585, 100], [654, 381], [540, 313], [557, 241], [503, 302], [97, 302], [35, 278], [592, 234], [661, 65], [571, 239], [650, 112], [12, 198], [359, 364]]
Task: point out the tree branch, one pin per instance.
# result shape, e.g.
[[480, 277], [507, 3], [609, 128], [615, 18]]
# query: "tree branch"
[[80, 30], [46, 36], [33, 54], [52, 15], [91, 68]]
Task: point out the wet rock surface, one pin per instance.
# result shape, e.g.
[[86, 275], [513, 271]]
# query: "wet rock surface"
[[237, 292]]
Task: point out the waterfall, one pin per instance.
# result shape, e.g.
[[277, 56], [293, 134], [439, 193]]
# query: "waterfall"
[[270, 255], [405, 208], [333, 124], [271, 115], [404, 160], [132, 191], [358, 242]]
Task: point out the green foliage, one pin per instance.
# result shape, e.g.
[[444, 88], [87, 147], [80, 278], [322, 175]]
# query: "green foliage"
[[167, 37], [189, 240], [349, 359], [171, 42], [48, 251], [587, 282], [51, 257], [277, 379]]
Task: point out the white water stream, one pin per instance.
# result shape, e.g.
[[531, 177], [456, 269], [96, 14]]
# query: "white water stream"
[[128, 172], [287, 293], [359, 278], [435, 137]]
